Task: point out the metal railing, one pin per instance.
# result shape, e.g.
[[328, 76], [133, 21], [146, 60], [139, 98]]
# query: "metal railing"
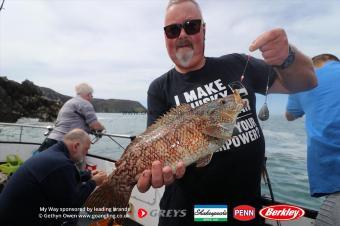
[[97, 135], [22, 126]]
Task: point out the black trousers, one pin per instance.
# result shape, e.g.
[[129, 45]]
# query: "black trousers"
[[46, 144]]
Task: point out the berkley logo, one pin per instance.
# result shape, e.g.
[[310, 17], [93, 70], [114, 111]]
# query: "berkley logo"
[[282, 212], [244, 213]]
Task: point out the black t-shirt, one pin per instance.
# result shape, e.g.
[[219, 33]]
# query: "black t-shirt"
[[234, 174]]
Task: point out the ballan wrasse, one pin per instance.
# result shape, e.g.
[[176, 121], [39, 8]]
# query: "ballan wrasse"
[[182, 134]]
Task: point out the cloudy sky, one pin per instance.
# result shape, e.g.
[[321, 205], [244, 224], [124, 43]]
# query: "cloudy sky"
[[117, 46]]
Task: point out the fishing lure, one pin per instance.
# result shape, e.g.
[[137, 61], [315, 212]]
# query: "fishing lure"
[[263, 114]]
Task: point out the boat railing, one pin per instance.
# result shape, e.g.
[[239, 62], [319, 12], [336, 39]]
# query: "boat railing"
[[21, 127], [19, 132]]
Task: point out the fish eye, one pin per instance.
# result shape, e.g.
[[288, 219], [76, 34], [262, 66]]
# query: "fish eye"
[[222, 101]]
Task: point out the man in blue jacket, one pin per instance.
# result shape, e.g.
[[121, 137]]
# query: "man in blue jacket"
[[49, 180], [322, 122]]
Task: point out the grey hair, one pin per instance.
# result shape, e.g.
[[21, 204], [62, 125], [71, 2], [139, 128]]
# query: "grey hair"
[[174, 2], [83, 88], [77, 135]]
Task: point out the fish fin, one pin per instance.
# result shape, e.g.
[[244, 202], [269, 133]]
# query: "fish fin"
[[169, 117], [204, 160], [221, 131], [111, 195], [173, 115]]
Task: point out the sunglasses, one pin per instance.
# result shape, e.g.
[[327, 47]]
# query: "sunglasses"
[[190, 27]]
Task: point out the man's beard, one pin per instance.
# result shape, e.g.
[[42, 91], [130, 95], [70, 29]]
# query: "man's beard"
[[78, 158], [184, 55]]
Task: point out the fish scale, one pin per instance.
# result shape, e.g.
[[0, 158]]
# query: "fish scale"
[[183, 134]]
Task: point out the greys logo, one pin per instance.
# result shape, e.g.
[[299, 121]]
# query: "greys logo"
[[168, 213]]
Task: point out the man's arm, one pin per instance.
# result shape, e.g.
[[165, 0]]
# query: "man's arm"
[[89, 116], [95, 125], [98, 178], [298, 76], [294, 109]]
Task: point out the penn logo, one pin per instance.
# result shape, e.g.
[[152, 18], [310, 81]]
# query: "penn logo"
[[282, 212], [244, 213]]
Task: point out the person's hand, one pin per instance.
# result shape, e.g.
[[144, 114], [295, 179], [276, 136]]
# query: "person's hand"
[[273, 45], [158, 176], [99, 177]]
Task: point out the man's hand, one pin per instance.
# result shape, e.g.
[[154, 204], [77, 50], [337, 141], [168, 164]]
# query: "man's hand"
[[158, 176], [99, 177], [273, 45], [290, 116], [96, 126]]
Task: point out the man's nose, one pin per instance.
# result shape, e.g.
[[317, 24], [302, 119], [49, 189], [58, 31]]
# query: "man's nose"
[[183, 33]]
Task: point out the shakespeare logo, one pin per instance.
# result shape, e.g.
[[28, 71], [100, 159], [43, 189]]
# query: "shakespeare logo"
[[203, 213]]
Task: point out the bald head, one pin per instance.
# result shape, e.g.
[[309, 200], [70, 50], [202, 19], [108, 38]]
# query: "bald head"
[[177, 2], [78, 143], [76, 135], [174, 2]]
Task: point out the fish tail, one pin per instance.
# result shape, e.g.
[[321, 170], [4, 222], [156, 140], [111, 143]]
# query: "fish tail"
[[110, 197]]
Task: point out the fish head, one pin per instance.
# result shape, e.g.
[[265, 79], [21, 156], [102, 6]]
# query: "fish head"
[[221, 115]]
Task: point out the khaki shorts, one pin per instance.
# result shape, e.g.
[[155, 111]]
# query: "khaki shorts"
[[329, 214]]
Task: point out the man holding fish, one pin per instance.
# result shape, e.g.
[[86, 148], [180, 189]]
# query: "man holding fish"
[[234, 173]]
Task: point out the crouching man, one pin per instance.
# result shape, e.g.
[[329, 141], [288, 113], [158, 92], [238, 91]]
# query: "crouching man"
[[47, 188]]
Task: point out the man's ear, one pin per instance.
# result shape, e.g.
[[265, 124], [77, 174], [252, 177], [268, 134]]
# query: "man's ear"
[[74, 146], [204, 26]]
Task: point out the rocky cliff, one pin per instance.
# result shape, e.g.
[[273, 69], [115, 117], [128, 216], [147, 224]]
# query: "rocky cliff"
[[25, 100], [28, 100], [101, 105]]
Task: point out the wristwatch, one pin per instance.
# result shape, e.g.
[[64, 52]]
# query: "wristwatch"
[[289, 60]]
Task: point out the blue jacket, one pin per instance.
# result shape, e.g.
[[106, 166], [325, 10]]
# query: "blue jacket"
[[48, 179]]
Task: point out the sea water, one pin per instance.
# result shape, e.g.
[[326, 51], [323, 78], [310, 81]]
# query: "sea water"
[[285, 150]]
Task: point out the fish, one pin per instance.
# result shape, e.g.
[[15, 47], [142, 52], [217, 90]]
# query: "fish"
[[191, 135]]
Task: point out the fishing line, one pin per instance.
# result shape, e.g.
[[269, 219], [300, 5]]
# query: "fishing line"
[[264, 111], [98, 135], [263, 115]]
